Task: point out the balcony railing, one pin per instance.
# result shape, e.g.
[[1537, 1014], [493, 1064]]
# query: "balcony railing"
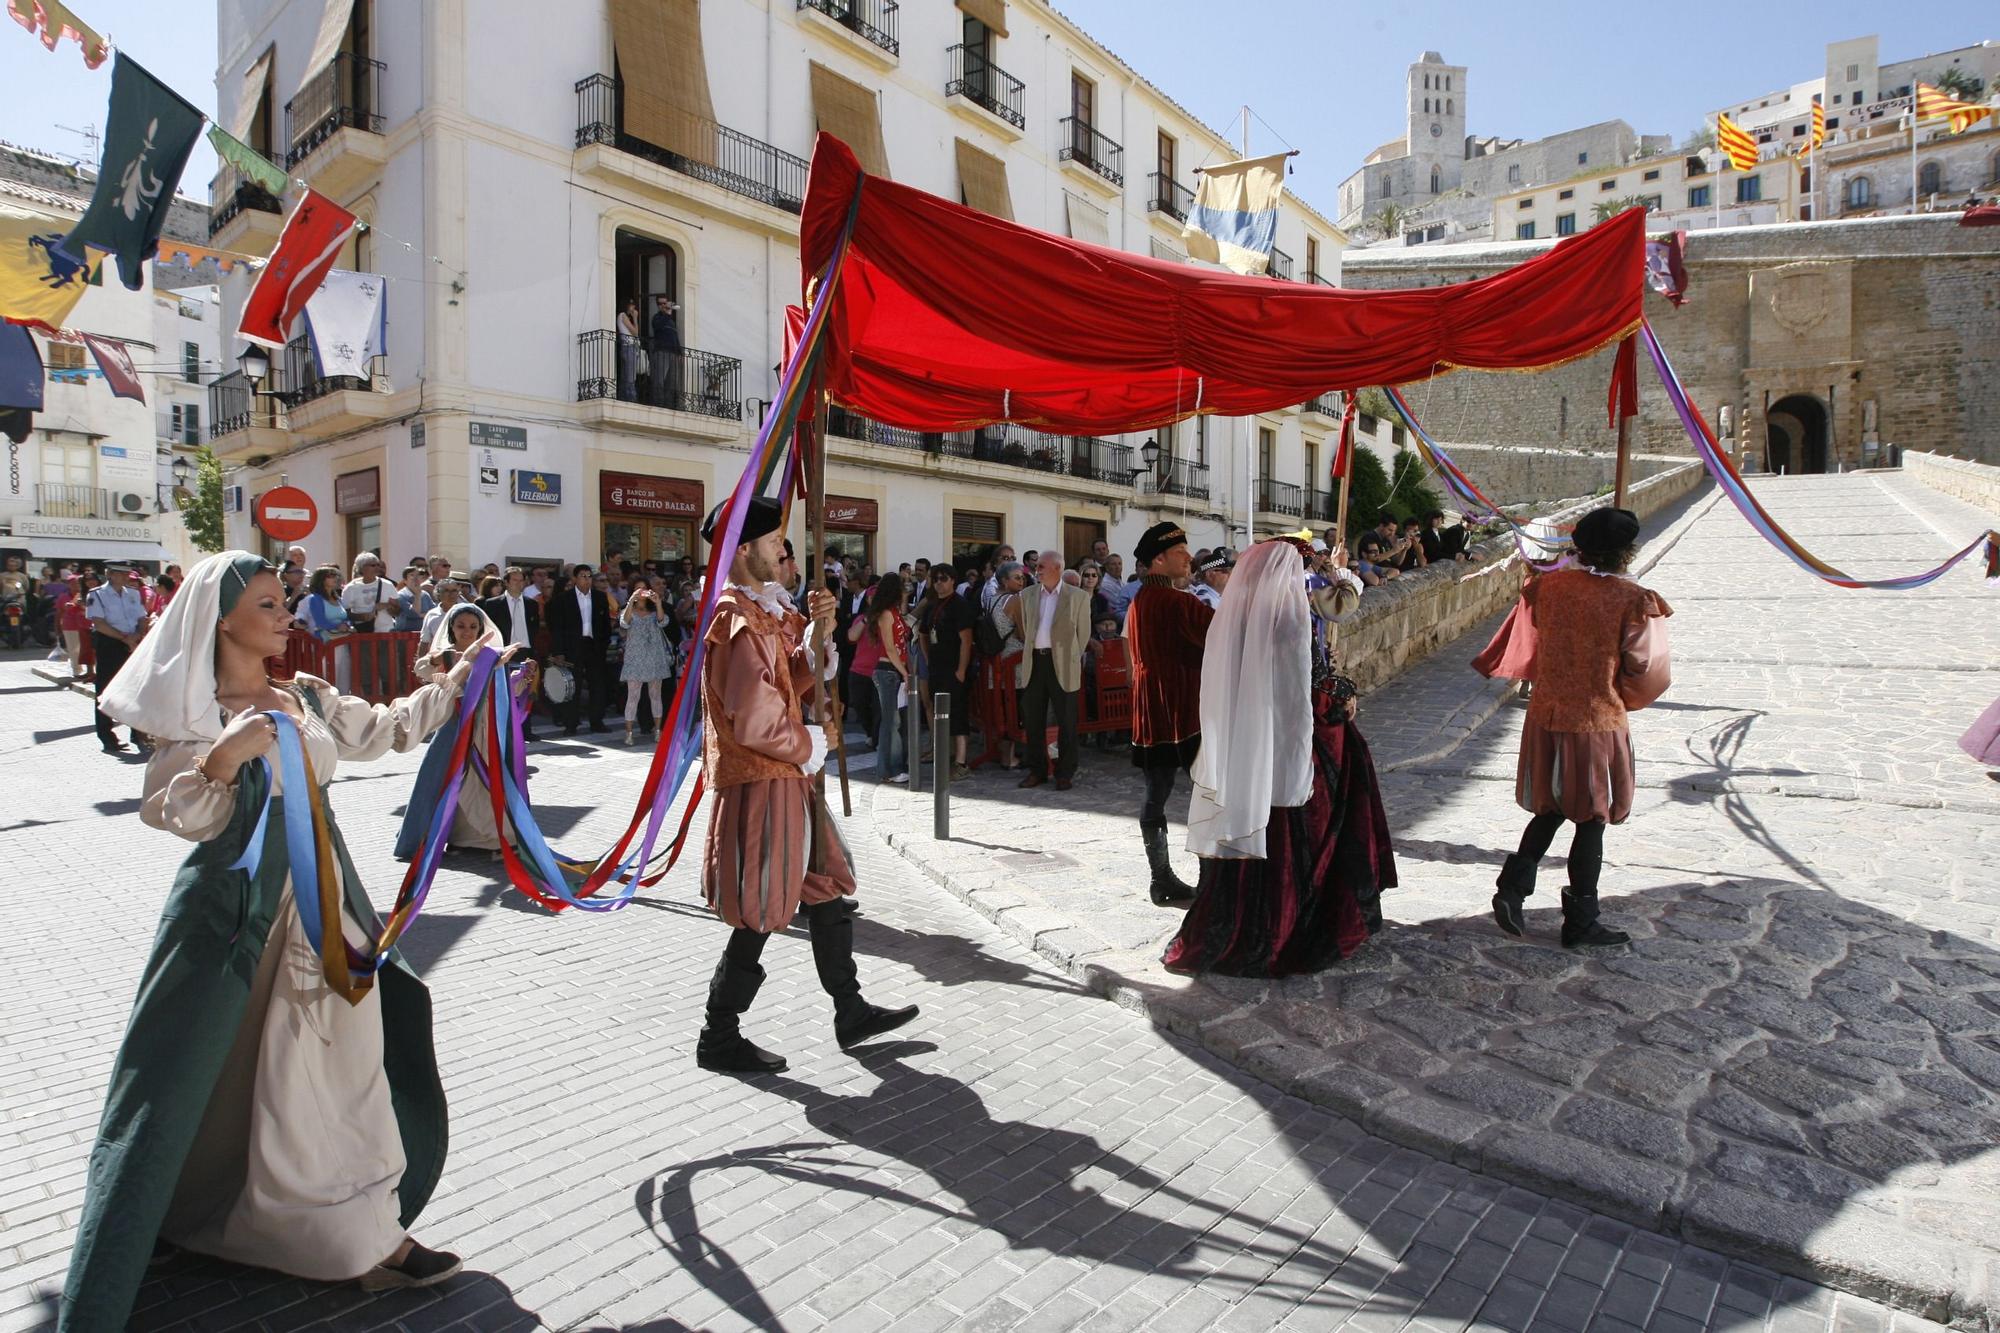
[[234, 406], [871, 20], [1092, 459], [1079, 456], [702, 149], [1327, 405], [636, 370], [1176, 476], [229, 195], [343, 96], [1313, 275], [979, 81], [58, 501], [1169, 196], [1082, 144], [1281, 265], [303, 383], [1280, 497]]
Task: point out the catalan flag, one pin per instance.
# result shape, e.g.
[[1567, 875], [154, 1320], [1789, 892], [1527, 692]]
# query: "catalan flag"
[[1817, 135], [1738, 147], [1935, 105]]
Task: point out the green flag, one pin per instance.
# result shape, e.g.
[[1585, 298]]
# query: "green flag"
[[147, 138], [254, 166]]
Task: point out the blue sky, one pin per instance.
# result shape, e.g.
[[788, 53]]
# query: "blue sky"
[[1328, 80]]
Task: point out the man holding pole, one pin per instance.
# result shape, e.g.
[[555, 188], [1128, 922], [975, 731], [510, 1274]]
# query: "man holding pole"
[[772, 843]]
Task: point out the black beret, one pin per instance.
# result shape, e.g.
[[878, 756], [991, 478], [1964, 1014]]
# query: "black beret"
[[765, 515], [1606, 530], [1157, 539]]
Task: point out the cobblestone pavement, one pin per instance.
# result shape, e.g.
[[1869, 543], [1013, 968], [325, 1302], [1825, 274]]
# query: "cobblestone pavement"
[[1029, 1157], [1799, 1056]]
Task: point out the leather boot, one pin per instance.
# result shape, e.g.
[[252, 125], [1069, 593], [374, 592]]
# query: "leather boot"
[[1167, 889], [1516, 882], [854, 1019], [723, 1048], [1581, 928]]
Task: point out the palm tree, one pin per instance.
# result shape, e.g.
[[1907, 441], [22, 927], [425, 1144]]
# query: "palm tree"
[[1958, 83], [1611, 208], [1389, 219]]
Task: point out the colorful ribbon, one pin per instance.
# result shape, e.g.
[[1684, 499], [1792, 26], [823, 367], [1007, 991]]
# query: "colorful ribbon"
[[1469, 498]]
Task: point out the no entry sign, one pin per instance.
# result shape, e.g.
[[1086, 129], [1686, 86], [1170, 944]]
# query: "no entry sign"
[[286, 514]]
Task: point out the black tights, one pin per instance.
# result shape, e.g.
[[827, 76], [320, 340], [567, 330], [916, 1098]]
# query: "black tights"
[[1159, 786], [1586, 856], [745, 946]]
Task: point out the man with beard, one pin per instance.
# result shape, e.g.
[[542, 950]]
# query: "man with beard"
[[772, 845]]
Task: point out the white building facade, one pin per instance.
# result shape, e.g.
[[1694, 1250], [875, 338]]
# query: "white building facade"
[[520, 193]]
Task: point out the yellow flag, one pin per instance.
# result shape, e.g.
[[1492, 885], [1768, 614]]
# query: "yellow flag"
[[37, 283]]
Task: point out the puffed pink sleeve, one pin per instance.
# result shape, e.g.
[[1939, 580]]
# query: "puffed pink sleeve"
[[179, 799], [1645, 667], [751, 699]]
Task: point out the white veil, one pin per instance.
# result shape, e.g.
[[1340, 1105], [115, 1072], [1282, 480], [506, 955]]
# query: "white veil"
[[166, 689], [489, 633], [1256, 705]]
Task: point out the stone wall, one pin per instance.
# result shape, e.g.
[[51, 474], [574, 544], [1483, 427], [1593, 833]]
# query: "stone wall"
[[1977, 484], [1514, 475], [1408, 619], [1902, 313]]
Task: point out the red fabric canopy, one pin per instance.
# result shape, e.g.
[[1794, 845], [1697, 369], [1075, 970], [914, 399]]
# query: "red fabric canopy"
[[947, 318]]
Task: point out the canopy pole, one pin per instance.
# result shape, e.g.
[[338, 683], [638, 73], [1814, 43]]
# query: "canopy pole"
[[1249, 464], [1624, 461], [816, 538]]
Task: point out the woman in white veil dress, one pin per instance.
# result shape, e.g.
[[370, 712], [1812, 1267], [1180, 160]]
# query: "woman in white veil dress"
[[1286, 814], [461, 632]]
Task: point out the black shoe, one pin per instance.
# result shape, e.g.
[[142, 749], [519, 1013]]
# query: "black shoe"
[[869, 1021], [117, 747], [735, 1054], [1507, 914], [1594, 936], [597, 726], [419, 1268], [569, 731]]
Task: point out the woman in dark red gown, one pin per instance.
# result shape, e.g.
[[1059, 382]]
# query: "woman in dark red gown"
[[1304, 890]]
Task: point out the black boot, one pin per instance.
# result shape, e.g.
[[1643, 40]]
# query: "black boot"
[[1167, 889], [723, 1048], [1516, 882], [1581, 928], [854, 1019]]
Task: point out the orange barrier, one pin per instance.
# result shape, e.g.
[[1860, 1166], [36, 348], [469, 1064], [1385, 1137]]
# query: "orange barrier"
[[1105, 705], [375, 667]]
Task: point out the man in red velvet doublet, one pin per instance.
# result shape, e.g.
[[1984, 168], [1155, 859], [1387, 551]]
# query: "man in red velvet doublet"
[[1168, 630]]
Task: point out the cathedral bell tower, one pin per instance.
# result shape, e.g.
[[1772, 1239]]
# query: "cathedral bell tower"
[[1436, 126]]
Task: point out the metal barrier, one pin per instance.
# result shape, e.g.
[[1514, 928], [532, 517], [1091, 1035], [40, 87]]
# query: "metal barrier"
[[375, 667]]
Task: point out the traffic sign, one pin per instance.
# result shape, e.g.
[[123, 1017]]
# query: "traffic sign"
[[286, 514]]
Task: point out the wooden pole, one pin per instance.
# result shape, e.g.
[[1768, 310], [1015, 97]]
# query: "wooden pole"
[[1624, 461], [830, 710]]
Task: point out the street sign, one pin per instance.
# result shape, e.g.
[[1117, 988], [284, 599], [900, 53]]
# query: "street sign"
[[537, 488], [489, 476], [486, 435], [286, 514]]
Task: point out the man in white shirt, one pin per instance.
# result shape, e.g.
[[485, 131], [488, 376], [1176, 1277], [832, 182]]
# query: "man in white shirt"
[[518, 617], [1054, 621], [118, 619], [370, 599]]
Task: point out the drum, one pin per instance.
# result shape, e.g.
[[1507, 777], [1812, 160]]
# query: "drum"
[[559, 684]]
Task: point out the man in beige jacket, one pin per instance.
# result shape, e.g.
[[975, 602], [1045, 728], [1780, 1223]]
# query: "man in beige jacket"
[[1054, 622]]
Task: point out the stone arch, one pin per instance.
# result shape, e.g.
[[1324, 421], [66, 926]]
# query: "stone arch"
[[1437, 179], [1796, 435], [623, 231], [1859, 192], [1930, 179]]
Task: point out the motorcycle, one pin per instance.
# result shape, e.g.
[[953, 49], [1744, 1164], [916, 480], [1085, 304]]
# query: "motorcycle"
[[12, 631]]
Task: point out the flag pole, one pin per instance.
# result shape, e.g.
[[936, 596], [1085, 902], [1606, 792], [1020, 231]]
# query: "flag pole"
[[1249, 466], [816, 539], [1913, 152]]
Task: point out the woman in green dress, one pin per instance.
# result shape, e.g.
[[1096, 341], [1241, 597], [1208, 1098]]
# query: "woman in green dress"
[[264, 1107]]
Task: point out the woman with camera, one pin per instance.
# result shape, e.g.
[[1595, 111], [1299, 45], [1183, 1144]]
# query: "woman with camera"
[[648, 658]]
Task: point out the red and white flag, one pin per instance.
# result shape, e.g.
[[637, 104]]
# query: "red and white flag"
[[116, 363], [306, 252]]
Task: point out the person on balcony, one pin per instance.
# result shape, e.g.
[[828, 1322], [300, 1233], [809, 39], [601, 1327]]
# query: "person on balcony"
[[1168, 632], [665, 350], [628, 351]]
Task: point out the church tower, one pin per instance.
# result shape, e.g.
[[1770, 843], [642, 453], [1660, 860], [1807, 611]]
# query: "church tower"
[[1437, 126]]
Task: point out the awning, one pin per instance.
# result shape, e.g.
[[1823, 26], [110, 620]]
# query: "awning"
[[849, 112], [82, 548], [333, 21], [993, 13], [1087, 222], [983, 179], [253, 96], [665, 75], [946, 318]]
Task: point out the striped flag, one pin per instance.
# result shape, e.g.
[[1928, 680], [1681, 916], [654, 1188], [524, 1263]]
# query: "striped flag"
[[1234, 221], [1738, 147], [1935, 105], [1817, 134]]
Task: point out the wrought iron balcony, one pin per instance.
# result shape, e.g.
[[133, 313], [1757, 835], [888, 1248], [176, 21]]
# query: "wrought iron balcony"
[[346, 95], [1280, 497], [59, 501], [1176, 476], [702, 149], [1281, 265], [1169, 196], [978, 80], [1080, 456], [303, 383], [1082, 144], [635, 370], [1321, 505], [1092, 459], [230, 195], [1320, 278], [234, 406], [1327, 405], [871, 20]]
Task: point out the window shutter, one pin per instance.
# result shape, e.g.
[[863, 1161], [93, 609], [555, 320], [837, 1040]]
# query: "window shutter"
[[983, 177], [850, 112]]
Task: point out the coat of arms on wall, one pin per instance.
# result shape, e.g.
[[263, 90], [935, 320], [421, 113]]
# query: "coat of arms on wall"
[[1801, 297]]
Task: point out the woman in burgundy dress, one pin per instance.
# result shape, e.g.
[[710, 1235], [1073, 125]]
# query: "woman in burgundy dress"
[[1286, 814]]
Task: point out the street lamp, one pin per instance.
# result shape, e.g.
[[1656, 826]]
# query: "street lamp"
[[181, 470], [255, 363], [1149, 454]]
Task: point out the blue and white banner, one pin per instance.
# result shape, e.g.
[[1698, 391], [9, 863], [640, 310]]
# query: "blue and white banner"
[[348, 321], [1234, 221]]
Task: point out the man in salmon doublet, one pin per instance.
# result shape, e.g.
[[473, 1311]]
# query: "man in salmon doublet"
[[772, 843]]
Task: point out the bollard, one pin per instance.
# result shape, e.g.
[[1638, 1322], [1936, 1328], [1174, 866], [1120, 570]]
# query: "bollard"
[[912, 740], [941, 752]]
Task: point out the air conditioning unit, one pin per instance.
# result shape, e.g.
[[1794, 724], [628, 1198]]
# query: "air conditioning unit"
[[131, 502], [232, 499]]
